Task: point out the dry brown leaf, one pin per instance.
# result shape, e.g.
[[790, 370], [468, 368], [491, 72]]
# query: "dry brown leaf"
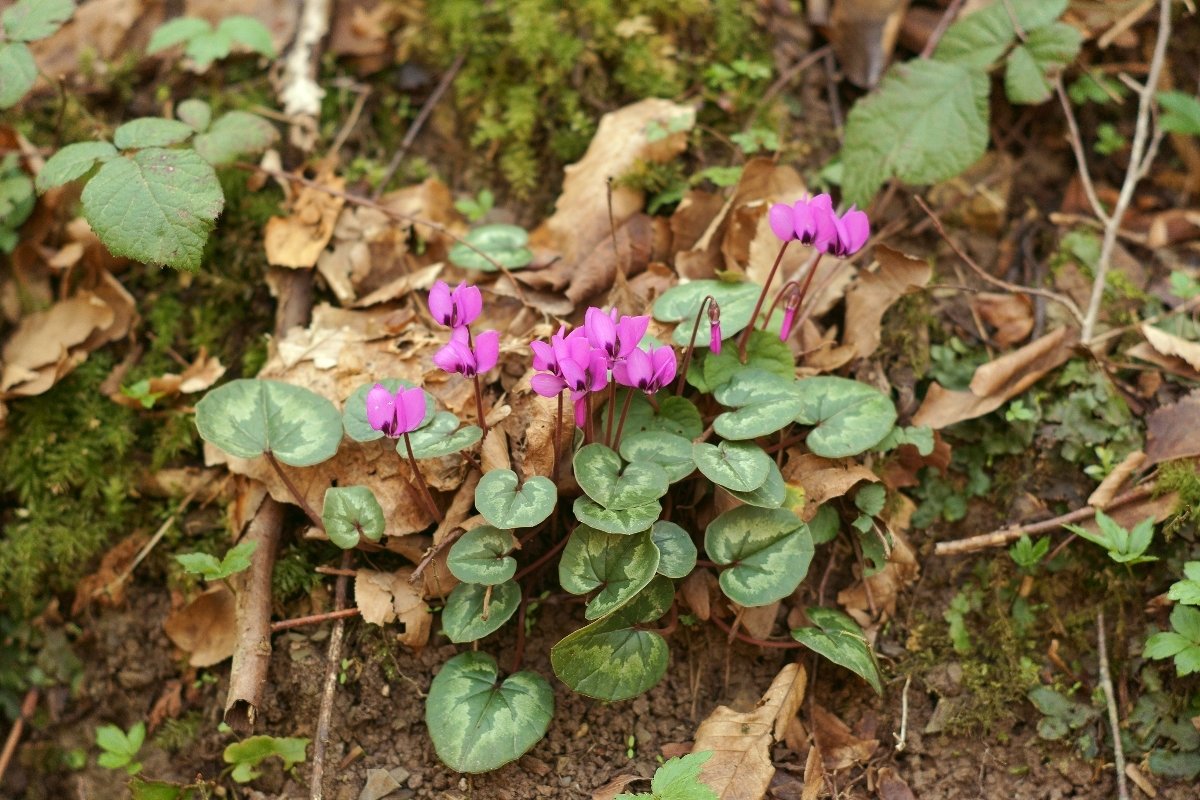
[[1172, 364], [882, 589], [169, 705], [823, 478], [697, 591], [758, 620], [298, 239], [622, 139], [493, 454], [615, 787], [1170, 345], [873, 293], [103, 584], [205, 628], [45, 338], [199, 375], [635, 247], [692, 216], [1114, 480], [863, 34], [814, 774], [890, 786], [996, 382], [1172, 431], [383, 597], [978, 198], [740, 767], [1010, 316], [839, 746]]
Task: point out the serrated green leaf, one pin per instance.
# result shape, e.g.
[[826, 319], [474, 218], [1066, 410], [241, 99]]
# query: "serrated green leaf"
[[505, 505], [151, 132], [71, 162], [927, 121], [682, 302], [249, 417], [768, 552], [765, 401], [479, 723], [739, 466], [1186, 621], [481, 555], [625, 522], [141, 789], [676, 550], [1165, 644], [669, 451], [1188, 661], [1029, 68], [612, 658], [463, 617], [1181, 113], [771, 494], [870, 499], [838, 638], [202, 564], [249, 32], [28, 20], [1186, 591], [505, 244], [113, 740], [614, 484], [980, 38], [247, 754], [236, 560], [197, 114], [17, 72], [849, 417], [350, 512], [354, 415], [156, 206], [176, 31], [207, 47], [619, 566], [678, 779], [235, 134], [675, 415], [765, 352]]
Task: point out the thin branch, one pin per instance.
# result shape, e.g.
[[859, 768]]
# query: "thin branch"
[[333, 660], [1085, 174], [28, 706], [1114, 718], [947, 17], [314, 619]]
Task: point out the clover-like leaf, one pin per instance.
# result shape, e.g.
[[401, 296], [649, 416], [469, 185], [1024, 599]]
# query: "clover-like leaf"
[[481, 555], [503, 243], [625, 522], [235, 134], [29, 20], [176, 31], [350, 512], [18, 71], [236, 560], [441, 436], [838, 638], [674, 414], [670, 452], [354, 413], [196, 113], [768, 552], [676, 550], [156, 206], [771, 494], [765, 352], [615, 485], [506, 505], [151, 132], [247, 754], [479, 723], [473, 611], [249, 417], [619, 566], [849, 417], [71, 162], [682, 303], [248, 32], [740, 466], [612, 659], [765, 403]]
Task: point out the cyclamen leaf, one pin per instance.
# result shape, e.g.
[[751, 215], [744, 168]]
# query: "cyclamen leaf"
[[626, 522], [249, 32], [235, 134], [17, 72], [616, 485], [29, 20], [156, 206], [505, 505], [771, 494], [838, 638], [675, 415], [850, 417], [765, 352], [249, 417], [175, 32], [928, 121], [505, 244], [151, 132], [463, 617], [677, 551], [619, 566], [350, 512], [740, 466], [71, 162], [681, 304], [669, 451], [482, 556], [768, 550]]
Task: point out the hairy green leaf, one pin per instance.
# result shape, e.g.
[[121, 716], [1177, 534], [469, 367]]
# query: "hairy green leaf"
[[151, 132], [17, 72], [28, 20], [176, 31], [71, 162], [247, 754], [235, 134], [248, 32]]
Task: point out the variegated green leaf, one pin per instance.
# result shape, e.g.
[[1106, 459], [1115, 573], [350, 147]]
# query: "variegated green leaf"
[[468, 618], [740, 466], [479, 723], [482, 556], [503, 243], [619, 566], [765, 403], [771, 494], [625, 522], [611, 659], [765, 352], [249, 417], [506, 505], [354, 412], [350, 512], [677, 551], [682, 304], [671, 452], [768, 550], [838, 638], [615, 485], [440, 437], [849, 417], [674, 415]]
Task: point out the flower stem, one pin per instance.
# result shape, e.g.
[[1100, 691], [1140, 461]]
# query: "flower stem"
[[687, 354], [420, 480], [612, 410], [624, 413], [558, 431], [479, 406], [745, 340], [291, 487], [775, 303], [808, 280]]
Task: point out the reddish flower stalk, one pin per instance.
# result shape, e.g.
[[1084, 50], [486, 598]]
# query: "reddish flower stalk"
[[420, 480], [745, 338], [714, 337]]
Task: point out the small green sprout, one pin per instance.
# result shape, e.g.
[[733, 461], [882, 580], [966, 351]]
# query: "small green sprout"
[[1027, 554], [208, 567], [1124, 547], [245, 756], [476, 208], [203, 44], [121, 747]]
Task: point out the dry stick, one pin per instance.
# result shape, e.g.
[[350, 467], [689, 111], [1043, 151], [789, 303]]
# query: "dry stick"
[[1062, 300], [999, 538], [28, 706], [332, 660], [291, 487], [943, 23], [1114, 719], [1141, 155], [147, 548], [313, 619], [1085, 175], [410, 135], [1182, 308], [252, 654]]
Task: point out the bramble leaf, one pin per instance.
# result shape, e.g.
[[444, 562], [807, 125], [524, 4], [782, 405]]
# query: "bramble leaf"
[[235, 134], [248, 32], [151, 132], [28, 20], [71, 162], [247, 754], [176, 31], [17, 72]]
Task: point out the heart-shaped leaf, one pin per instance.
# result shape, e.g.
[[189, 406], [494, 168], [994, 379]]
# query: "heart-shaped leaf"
[[478, 723], [615, 485], [676, 550], [682, 303], [249, 417], [771, 494], [850, 417], [765, 403], [481, 555], [765, 351], [354, 410], [625, 522], [838, 638], [740, 466], [504, 243], [825, 525], [769, 551], [440, 437], [674, 415], [669, 451], [467, 618], [350, 512], [505, 505], [611, 659], [619, 566]]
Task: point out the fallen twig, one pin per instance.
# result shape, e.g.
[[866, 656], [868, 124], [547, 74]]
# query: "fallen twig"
[[298, 89], [28, 705], [146, 549], [1114, 718], [315, 619], [333, 660], [948, 17]]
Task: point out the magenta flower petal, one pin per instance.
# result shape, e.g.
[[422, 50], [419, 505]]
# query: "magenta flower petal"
[[410, 409], [789, 314], [487, 351], [544, 359], [469, 302], [858, 229], [449, 358], [381, 409], [581, 408], [663, 362], [600, 330], [441, 305], [635, 370], [547, 385], [824, 220], [597, 371], [630, 331], [783, 221], [714, 337]]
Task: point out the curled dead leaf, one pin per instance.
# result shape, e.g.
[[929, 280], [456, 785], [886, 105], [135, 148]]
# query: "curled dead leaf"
[[298, 239], [1172, 432], [206, 628], [824, 478], [839, 746], [1010, 316], [874, 292], [383, 597]]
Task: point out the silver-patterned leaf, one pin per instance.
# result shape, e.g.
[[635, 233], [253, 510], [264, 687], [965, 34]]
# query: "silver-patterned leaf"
[[615, 485], [849, 417], [768, 550], [619, 566], [677, 551], [770, 495], [505, 505], [468, 618], [249, 417], [838, 638], [349, 512], [671, 452], [740, 466], [627, 521], [481, 555]]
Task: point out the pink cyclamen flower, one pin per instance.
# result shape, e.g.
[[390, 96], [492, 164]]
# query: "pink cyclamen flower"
[[850, 233], [789, 312], [458, 355], [561, 345], [395, 414], [616, 337], [646, 370], [457, 308], [579, 369], [810, 220], [714, 327]]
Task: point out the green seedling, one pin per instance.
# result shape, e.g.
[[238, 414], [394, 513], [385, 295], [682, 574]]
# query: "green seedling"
[[1123, 546], [121, 747], [247, 755]]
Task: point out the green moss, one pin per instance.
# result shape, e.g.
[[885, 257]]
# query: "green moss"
[[1180, 476]]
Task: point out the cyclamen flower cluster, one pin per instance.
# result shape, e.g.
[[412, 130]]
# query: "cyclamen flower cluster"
[[813, 221], [457, 309]]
